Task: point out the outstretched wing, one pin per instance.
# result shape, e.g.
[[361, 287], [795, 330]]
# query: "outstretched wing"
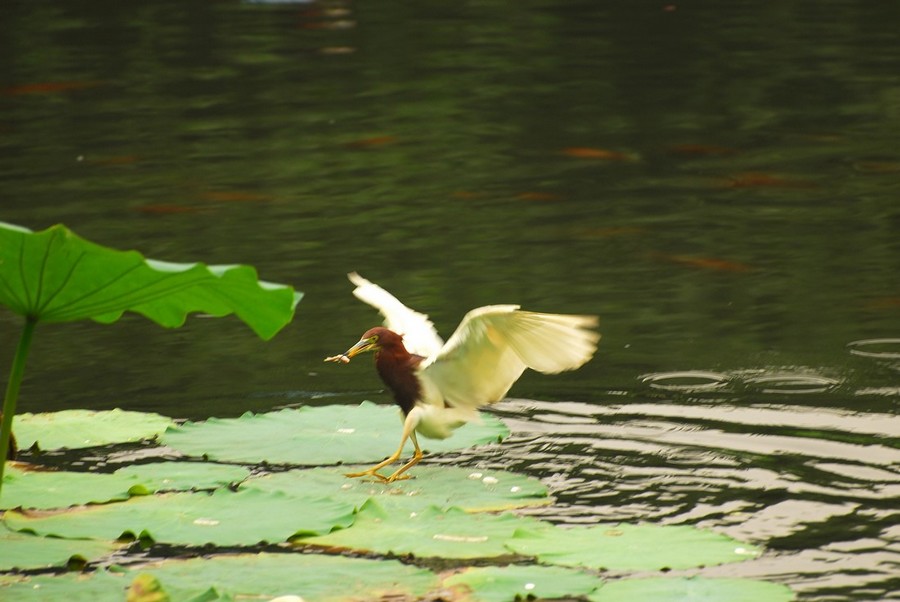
[[419, 335], [492, 347]]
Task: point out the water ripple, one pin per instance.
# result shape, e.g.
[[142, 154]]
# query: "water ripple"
[[816, 485], [883, 349]]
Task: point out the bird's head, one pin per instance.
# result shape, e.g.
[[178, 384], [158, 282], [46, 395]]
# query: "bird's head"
[[374, 339]]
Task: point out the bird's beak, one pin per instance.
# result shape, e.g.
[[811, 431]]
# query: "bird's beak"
[[361, 347]]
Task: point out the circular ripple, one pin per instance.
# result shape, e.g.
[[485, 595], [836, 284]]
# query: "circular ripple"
[[690, 381], [792, 383], [885, 349]]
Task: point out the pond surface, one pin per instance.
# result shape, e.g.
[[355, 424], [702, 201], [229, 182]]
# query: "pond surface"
[[717, 181]]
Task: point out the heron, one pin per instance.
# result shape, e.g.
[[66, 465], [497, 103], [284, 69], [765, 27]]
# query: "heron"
[[439, 386]]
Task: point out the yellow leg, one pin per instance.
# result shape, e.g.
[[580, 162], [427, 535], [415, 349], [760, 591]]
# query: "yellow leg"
[[417, 455], [409, 430]]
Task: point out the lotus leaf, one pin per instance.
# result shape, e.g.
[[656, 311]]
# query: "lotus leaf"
[[26, 552], [316, 435], [61, 489], [522, 582], [442, 486], [692, 589], [182, 476], [72, 429], [433, 532], [223, 518], [629, 547], [56, 276], [245, 576], [71, 587]]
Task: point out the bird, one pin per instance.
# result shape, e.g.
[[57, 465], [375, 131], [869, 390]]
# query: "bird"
[[439, 386]]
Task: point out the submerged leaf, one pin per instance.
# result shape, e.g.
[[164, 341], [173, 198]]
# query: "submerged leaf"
[[72, 429], [628, 547], [311, 436], [56, 276]]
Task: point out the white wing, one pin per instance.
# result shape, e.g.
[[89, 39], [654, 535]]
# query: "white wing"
[[419, 335], [492, 347]]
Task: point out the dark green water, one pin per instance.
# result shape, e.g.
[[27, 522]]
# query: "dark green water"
[[717, 181]]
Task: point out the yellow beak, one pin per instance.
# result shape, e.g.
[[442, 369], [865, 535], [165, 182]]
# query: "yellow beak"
[[361, 347]]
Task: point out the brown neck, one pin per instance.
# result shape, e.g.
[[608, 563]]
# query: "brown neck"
[[396, 367]]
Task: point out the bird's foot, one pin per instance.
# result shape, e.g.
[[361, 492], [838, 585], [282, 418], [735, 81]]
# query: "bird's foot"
[[380, 478], [368, 473], [397, 477]]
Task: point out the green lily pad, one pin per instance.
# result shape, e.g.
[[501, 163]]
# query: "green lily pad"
[[60, 489], [182, 476], [316, 435], [433, 532], [470, 489], [71, 429], [71, 587], [692, 589], [631, 547], [27, 552], [224, 518], [56, 276], [312, 576], [242, 577], [522, 582]]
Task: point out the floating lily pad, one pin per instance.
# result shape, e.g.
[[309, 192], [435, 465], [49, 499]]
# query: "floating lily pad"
[[183, 476], [451, 533], [442, 486], [314, 436], [245, 576], [23, 551], [223, 518], [522, 582], [71, 587], [631, 547], [73, 429], [692, 589], [61, 489]]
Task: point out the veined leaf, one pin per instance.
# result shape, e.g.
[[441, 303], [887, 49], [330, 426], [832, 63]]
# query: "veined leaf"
[[323, 435], [240, 577], [62, 489], [470, 489], [521, 582], [56, 276], [223, 518], [627, 547], [451, 533], [74, 429], [24, 551]]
